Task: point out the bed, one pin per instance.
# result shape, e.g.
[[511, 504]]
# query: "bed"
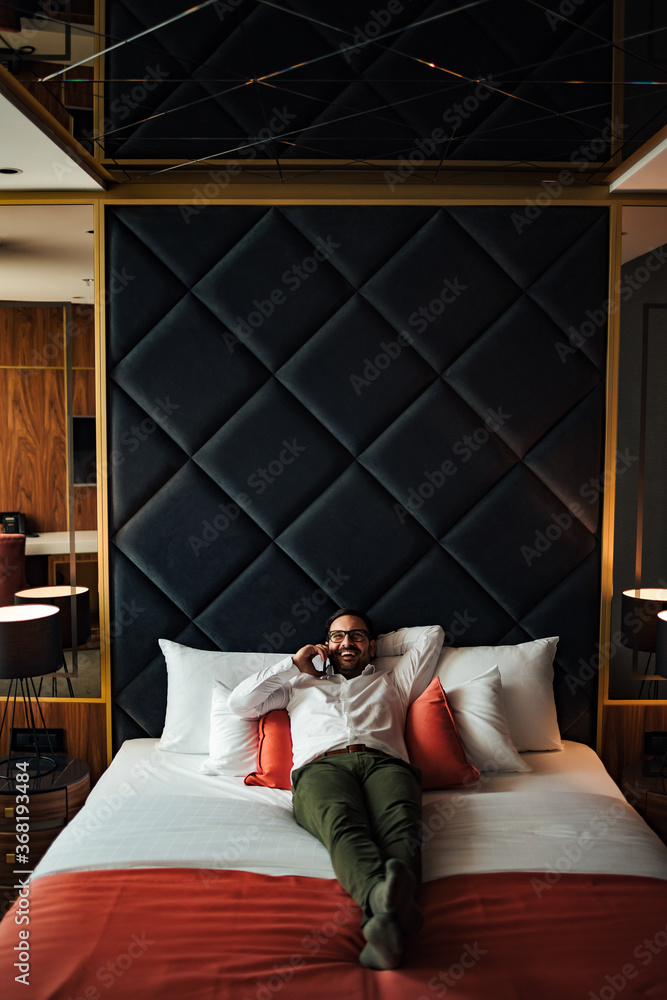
[[182, 879]]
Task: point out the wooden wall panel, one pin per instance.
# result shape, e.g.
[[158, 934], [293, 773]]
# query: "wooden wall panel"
[[33, 475], [83, 392], [623, 731], [32, 471], [31, 336], [85, 728], [85, 508], [83, 337]]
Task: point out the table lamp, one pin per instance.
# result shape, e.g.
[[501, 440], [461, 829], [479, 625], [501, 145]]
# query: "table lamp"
[[640, 605], [30, 646], [640, 609], [661, 644], [74, 605]]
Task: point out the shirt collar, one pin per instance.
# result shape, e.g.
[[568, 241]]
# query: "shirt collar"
[[330, 673]]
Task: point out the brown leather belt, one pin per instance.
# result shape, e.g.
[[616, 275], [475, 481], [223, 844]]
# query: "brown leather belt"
[[354, 748]]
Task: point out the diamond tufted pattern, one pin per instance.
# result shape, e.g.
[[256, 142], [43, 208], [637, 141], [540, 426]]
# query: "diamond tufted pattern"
[[357, 81], [400, 421]]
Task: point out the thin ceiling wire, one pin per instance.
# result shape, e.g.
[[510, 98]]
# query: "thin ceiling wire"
[[481, 133], [372, 112]]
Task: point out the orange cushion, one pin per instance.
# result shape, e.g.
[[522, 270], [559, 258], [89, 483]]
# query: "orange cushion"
[[274, 756], [433, 743]]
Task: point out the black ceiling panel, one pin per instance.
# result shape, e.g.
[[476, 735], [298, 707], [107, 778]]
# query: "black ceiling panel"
[[491, 80]]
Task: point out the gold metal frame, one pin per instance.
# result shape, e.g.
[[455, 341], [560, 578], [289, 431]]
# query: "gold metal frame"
[[254, 186]]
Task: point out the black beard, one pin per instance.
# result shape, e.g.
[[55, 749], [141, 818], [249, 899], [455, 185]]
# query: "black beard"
[[336, 660]]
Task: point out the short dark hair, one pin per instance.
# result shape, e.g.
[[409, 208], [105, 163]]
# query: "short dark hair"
[[353, 612]]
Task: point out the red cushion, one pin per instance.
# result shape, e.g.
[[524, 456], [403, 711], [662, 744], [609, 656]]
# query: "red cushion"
[[274, 756], [433, 743]]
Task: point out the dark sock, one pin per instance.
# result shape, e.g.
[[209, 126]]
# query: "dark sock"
[[396, 895], [384, 949]]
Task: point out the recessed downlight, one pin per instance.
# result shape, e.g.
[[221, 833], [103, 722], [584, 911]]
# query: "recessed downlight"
[[10, 170]]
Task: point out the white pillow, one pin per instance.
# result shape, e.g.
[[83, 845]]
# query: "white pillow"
[[399, 642], [479, 714], [526, 671], [233, 741], [391, 647], [191, 674]]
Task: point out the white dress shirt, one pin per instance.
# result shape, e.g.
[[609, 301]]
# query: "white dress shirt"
[[332, 711]]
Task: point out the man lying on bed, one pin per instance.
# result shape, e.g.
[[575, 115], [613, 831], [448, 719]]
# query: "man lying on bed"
[[354, 788]]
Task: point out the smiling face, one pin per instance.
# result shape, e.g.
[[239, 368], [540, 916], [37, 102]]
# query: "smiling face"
[[349, 656]]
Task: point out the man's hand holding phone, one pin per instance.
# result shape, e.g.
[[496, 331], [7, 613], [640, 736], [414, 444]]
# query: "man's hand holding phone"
[[310, 655]]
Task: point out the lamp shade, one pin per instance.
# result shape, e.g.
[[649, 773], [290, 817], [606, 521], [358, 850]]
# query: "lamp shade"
[[639, 612], [61, 597], [661, 645], [29, 641]]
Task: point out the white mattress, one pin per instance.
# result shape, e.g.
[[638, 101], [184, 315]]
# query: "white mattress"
[[156, 809]]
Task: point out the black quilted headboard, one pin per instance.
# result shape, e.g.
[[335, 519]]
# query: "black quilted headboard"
[[400, 408]]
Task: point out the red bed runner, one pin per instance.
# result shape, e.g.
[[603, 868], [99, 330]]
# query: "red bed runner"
[[179, 934]]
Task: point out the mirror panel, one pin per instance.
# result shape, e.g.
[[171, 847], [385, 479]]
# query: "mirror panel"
[[46, 253], [640, 527]]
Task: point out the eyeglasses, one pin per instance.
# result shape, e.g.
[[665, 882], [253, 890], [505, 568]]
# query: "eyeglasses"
[[355, 634]]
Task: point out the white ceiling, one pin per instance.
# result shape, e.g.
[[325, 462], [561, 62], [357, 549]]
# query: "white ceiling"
[[46, 253], [646, 170], [44, 164]]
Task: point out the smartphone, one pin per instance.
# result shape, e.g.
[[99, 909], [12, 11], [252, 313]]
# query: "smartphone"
[[323, 668]]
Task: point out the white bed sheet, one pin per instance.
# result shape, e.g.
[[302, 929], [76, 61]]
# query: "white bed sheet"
[[156, 809]]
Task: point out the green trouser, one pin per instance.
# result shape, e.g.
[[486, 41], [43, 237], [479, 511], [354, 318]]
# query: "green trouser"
[[365, 808]]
